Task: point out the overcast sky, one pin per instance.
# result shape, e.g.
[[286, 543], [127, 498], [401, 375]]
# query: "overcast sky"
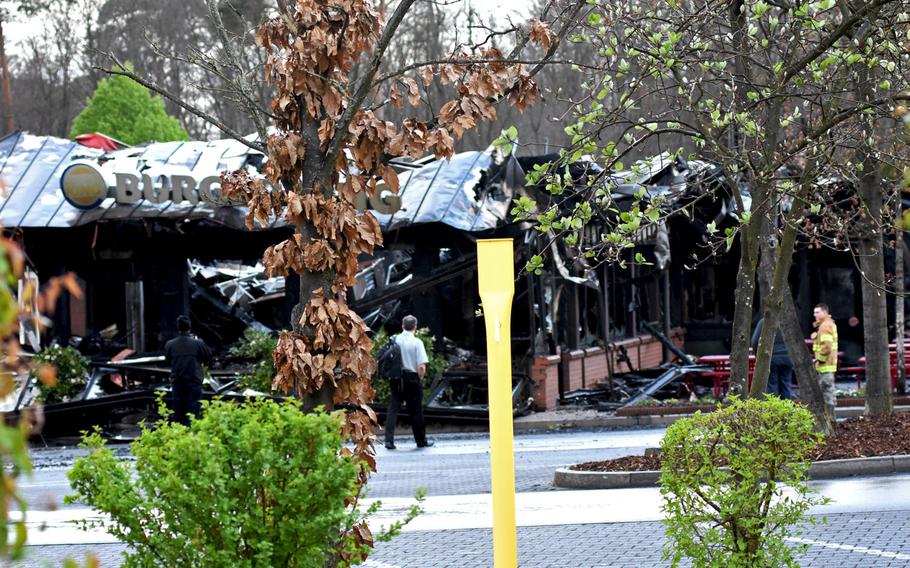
[[517, 9]]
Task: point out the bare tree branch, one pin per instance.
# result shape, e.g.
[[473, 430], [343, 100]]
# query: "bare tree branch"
[[248, 102], [121, 69], [364, 85]]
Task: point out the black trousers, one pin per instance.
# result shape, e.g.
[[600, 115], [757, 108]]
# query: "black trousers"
[[186, 398], [409, 391], [780, 379]]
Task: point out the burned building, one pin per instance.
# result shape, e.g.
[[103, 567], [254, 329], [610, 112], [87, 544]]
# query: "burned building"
[[150, 237], [130, 249]]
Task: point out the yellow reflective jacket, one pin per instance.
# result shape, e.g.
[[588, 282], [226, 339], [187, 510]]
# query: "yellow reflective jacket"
[[824, 346]]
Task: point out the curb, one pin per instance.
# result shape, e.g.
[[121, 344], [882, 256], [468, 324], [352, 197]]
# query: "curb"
[[828, 469], [649, 420]]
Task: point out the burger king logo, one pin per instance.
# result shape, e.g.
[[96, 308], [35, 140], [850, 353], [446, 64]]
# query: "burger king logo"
[[83, 186]]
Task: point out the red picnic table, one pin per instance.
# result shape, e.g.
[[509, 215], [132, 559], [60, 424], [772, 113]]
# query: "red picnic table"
[[720, 367], [720, 372], [861, 371]]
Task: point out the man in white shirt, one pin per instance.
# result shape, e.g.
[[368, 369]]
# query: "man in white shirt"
[[410, 388]]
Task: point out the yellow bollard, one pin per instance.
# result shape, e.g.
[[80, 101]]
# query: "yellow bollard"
[[496, 275]]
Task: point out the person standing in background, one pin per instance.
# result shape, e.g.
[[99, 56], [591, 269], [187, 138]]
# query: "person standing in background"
[[824, 348], [410, 388], [186, 354], [780, 378]]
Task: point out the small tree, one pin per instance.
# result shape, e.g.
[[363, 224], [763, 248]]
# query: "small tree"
[[757, 88], [124, 109], [260, 484], [723, 480], [331, 145], [71, 373], [257, 345]]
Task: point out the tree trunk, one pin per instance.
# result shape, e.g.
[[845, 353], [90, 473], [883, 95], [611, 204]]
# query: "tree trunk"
[[749, 234], [899, 294], [782, 258], [742, 312], [868, 231], [762, 187], [810, 392], [779, 257], [875, 311], [311, 281], [872, 262], [8, 123]]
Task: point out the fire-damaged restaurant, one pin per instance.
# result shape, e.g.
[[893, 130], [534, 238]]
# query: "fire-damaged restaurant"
[[149, 236]]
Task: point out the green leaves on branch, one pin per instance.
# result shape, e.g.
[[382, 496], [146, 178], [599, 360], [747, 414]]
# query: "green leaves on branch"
[[259, 484], [734, 484], [524, 207], [535, 265], [257, 346], [71, 373], [506, 140]]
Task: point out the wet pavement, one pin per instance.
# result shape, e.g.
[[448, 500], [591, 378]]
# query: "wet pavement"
[[867, 519]]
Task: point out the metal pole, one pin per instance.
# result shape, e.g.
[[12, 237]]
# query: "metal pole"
[[667, 324], [496, 278]]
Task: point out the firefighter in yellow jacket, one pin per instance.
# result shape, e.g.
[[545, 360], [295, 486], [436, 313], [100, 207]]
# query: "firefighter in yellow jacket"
[[824, 347]]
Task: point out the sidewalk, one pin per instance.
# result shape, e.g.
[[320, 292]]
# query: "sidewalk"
[[874, 540], [557, 528], [868, 525]]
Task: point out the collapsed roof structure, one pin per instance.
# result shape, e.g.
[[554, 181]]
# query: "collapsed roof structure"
[[150, 236], [126, 221]]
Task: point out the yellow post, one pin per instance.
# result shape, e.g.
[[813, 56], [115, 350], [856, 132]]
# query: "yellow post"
[[496, 276]]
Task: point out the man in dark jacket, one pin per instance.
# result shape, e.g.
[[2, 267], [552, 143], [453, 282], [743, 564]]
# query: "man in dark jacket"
[[186, 354], [780, 378]]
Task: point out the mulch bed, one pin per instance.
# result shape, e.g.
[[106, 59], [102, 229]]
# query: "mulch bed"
[[626, 463], [867, 436], [859, 437]]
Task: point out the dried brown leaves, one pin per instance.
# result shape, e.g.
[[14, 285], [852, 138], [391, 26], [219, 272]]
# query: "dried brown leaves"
[[541, 34], [337, 351], [343, 234], [311, 51], [263, 201]]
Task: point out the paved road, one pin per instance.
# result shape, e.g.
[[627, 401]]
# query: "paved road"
[[868, 522]]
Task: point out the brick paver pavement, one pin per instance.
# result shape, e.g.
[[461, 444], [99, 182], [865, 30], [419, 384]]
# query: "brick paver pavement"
[[874, 540]]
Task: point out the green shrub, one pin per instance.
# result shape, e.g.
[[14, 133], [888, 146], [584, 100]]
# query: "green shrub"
[[258, 346], [126, 110], [259, 484], [436, 365], [734, 484], [72, 373]]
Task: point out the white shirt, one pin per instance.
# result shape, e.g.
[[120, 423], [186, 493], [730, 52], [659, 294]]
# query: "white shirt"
[[413, 353]]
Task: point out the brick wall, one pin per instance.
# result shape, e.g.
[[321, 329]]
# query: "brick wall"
[[545, 379], [573, 369], [587, 368], [596, 371], [590, 367]]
